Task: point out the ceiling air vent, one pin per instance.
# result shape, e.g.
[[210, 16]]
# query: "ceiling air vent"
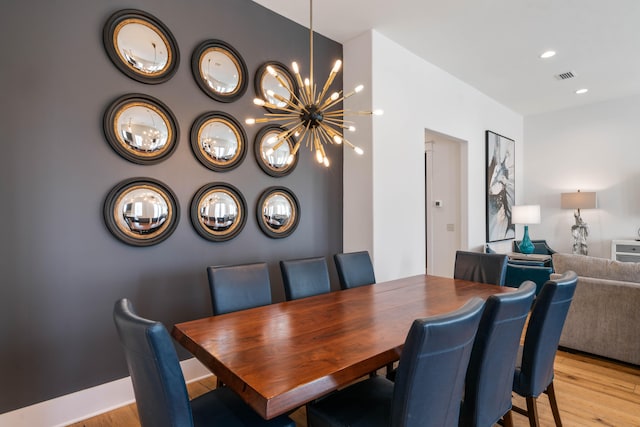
[[565, 76]]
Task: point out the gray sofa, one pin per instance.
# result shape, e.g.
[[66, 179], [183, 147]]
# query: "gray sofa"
[[604, 317]]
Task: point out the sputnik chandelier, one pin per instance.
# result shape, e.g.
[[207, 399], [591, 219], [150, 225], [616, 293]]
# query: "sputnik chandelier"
[[312, 117]]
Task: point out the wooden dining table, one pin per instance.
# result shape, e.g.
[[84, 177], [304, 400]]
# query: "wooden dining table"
[[281, 356]]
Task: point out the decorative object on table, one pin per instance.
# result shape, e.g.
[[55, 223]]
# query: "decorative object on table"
[[314, 117], [580, 230], [141, 128], [278, 212], [218, 211], [275, 162], [218, 141], [141, 46], [500, 187], [141, 211], [526, 214], [219, 70]]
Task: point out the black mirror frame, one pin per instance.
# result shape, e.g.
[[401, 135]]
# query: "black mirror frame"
[[198, 53], [257, 151], [111, 134], [204, 231], [204, 158], [280, 68], [116, 195], [108, 34], [295, 204]]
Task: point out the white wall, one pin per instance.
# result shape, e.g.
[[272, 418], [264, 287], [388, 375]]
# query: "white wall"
[[591, 148], [415, 96]]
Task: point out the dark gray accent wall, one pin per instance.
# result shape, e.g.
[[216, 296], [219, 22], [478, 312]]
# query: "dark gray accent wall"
[[60, 269]]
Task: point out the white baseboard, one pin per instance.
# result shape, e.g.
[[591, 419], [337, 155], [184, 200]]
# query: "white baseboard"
[[87, 403]]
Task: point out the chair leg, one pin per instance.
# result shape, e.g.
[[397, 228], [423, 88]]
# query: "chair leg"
[[550, 391], [532, 411], [219, 383], [507, 419]]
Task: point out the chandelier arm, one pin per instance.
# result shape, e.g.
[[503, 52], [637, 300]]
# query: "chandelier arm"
[[300, 84], [326, 131], [286, 101], [304, 137], [291, 92], [279, 114], [329, 101], [332, 76]]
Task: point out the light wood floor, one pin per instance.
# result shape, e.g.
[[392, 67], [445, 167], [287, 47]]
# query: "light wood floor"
[[590, 392]]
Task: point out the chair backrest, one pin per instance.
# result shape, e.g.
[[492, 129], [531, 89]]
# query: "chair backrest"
[[479, 267], [239, 287], [354, 269], [518, 273], [543, 333], [432, 367], [305, 277], [539, 247], [158, 384], [489, 379]]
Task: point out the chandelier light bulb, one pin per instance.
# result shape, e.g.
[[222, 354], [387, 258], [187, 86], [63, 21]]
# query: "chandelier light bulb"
[[326, 162], [294, 65], [334, 96], [259, 102], [319, 157], [359, 88], [290, 159], [336, 66], [337, 139], [269, 151], [352, 128], [358, 150], [250, 121], [378, 112], [271, 70]]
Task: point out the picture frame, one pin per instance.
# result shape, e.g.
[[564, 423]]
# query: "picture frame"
[[500, 187]]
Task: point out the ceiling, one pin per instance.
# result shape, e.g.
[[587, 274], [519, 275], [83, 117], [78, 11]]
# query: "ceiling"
[[494, 45]]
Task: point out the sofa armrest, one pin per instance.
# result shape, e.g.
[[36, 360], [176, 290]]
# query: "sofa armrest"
[[603, 319]]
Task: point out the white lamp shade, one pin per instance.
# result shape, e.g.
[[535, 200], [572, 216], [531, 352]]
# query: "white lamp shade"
[[578, 200], [525, 214]]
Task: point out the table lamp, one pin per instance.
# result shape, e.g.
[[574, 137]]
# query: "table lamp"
[[526, 214], [580, 230]]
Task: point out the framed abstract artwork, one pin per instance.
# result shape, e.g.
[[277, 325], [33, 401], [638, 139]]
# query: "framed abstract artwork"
[[500, 187]]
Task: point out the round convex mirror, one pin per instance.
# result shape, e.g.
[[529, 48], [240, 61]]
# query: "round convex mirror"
[[141, 46], [141, 211], [219, 70], [267, 84], [218, 211], [218, 141], [273, 154], [278, 212], [141, 128]]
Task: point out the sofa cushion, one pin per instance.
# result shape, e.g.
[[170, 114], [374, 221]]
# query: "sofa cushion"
[[599, 268]]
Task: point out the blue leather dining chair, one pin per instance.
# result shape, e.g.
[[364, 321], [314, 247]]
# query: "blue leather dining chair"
[[534, 366], [429, 381], [305, 277], [487, 395], [159, 387], [354, 269], [480, 267], [239, 287]]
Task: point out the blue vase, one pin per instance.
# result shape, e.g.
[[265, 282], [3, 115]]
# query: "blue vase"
[[526, 246]]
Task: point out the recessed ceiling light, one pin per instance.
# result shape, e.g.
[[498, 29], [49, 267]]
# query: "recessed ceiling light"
[[581, 91], [548, 54]]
